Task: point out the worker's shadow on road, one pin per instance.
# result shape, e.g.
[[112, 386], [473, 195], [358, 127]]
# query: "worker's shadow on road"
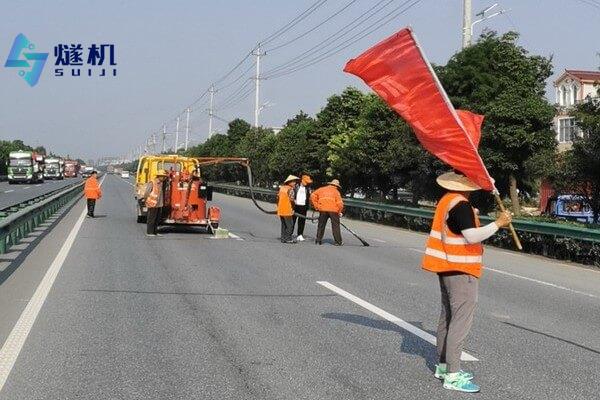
[[411, 344]]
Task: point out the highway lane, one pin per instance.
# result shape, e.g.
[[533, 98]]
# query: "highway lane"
[[184, 316], [17, 193]]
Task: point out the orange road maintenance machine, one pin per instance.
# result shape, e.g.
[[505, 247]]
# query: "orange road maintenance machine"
[[186, 194]]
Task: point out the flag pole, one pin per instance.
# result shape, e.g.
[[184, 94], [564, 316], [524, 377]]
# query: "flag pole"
[[510, 226]]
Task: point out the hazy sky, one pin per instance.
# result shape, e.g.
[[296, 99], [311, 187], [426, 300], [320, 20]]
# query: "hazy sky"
[[168, 53]]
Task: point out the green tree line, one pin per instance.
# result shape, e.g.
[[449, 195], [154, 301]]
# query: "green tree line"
[[358, 139]]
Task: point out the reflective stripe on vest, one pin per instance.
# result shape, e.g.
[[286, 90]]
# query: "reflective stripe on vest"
[[447, 251], [152, 200]]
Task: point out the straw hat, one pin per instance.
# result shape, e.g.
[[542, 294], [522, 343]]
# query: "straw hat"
[[335, 182], [291, 178], [162, 172], [456, 182]]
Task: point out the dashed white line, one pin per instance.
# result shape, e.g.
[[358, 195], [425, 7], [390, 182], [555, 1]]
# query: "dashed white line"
[[234, 236], [26, 187], [378, 240], [389, 317], [8, 191], [15, 341]]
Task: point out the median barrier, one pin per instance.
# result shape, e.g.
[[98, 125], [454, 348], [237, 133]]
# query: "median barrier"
[[560, 241]]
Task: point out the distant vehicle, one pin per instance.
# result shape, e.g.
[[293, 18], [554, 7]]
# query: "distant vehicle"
[[71, 168], [25, 166], [87, 171], [570, 207], [54, 168], [125, 174]]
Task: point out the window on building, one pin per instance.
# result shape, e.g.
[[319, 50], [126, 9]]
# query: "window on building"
[[574, 94], [566, 130], [563, 90]]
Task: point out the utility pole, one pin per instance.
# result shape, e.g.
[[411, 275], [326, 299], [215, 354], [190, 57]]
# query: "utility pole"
[[187, 129], [164, 136], [177, 136], [257, 54], [211, 110], [467, 29]]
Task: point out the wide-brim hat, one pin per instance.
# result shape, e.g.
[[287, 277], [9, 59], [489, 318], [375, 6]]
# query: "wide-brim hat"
[[291, 178], [162, 172], [456, 182], [335, 182]]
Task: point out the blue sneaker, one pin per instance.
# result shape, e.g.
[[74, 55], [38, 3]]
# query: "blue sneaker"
[[441, 370], [459, 382]]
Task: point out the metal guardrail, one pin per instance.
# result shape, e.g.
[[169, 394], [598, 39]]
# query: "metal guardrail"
[[24, 219], [545, 228], [6, 211]]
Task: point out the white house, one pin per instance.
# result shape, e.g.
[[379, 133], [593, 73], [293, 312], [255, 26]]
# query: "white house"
[[571, 88]]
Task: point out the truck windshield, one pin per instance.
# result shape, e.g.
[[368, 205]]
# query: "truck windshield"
[[20, 162]]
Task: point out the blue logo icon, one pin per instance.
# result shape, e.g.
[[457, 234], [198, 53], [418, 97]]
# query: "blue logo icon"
[[32, 64]]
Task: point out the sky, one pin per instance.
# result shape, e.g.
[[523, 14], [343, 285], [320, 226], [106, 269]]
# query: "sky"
[[169, 52]]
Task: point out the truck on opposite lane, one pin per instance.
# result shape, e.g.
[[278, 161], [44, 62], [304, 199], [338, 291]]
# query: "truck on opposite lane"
[[25, 166], [54, 168]]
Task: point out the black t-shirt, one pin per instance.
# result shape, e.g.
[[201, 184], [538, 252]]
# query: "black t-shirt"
[[461, 217]]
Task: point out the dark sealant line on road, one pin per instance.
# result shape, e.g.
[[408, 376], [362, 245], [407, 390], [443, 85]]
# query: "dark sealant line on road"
[[262, 295]]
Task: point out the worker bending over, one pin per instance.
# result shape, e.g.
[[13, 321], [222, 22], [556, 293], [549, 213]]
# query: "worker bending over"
[[454, 252], [155, 200], [92, 193], [301, 199], [285, 208], [327, 200]]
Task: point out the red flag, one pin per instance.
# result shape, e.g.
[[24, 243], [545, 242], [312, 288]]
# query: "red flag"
[[398, 71]]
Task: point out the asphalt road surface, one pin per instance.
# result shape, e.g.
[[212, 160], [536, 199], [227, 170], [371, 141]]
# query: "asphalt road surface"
[[17, 193], [184, 316]]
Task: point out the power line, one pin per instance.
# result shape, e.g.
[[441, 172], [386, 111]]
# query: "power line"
[[295, 21], [335, 36], [348, 42], [313, 28]]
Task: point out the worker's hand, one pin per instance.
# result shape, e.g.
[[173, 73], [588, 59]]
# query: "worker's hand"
[[341, 215], [504, 219]]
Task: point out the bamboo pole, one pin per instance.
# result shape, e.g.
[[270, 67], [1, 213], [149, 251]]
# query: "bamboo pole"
[[510, 226]]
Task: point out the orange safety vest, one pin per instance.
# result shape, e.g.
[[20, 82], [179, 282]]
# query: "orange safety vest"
[[92, 189], [152, 200], [447, 251], [284, 204], [327, 199]]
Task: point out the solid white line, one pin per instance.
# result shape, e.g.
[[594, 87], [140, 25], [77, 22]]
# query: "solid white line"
[[15, 341], [541, 282], [391, 318], [8, 191], [531, 279]]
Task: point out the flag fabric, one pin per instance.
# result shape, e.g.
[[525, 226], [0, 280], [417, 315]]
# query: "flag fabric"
[[398, 71]]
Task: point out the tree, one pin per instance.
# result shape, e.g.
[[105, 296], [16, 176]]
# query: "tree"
[[499, 79], [6, 146], [579, 171]]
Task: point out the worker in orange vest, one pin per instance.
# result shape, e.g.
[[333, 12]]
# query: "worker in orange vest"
[[454, 252], [285, 208], [92, 192], [327, 200], [155, 199]]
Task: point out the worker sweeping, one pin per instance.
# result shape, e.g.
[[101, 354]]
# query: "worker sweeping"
[[454, 252], [327, 200], [285, 208], [92, 193], [155, 198], [301, 200]]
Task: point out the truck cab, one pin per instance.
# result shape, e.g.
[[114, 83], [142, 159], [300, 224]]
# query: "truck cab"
[[570, 207], [54, 168], [25, 166]]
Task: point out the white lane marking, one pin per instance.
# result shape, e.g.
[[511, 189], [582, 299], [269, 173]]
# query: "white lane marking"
[[378, 240], [26, 187], [39, 184], [234, 236], [15, 341], [389, 317], [542, 282], [531, 279], [8, 191], [417, 250]]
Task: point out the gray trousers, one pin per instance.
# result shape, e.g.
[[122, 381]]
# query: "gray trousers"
[[459, 298]]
